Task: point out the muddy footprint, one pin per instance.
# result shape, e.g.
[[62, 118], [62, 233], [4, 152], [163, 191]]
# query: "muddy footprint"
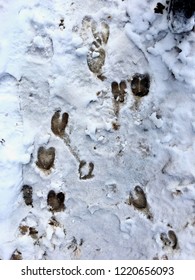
[[26, 230], [138, 198], [56, 201], [46, 158], [119, 93], [17, 255], [27, 194], [85, 172], [96, 55], [58, 124], [140, 84], [170, 239]]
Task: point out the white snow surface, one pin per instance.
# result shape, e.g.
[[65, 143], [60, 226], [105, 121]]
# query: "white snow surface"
[[43, 68]]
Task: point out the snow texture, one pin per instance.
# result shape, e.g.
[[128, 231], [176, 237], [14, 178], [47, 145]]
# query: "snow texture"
[[77, 118]]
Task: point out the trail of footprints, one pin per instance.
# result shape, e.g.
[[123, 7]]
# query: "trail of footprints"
[[138, 199], [140, 84]]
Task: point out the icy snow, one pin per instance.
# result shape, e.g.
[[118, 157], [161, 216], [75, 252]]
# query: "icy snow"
[[149, 142]]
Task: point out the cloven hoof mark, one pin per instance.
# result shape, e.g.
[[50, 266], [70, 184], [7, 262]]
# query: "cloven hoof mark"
[[138, 198], [89, 174], [58, 124], [140, 84], [27, 194], [56, 201], [45, 157], [169, 239]]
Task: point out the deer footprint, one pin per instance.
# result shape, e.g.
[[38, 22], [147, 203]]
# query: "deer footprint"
[[138, 199], [46, 158], [84, 171], [56, 201], [119, 93], [170, 239], [96, 55], [58, 124], [140, 84], [27, 195]]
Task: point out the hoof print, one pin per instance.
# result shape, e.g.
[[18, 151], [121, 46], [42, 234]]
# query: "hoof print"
[[140, 84], [165, 239], [138, 199], [83, 171], [16, 256], [24, 230], [46, 158], [58, 124], [119, 91], [56, 201], [173, 238], [27, 194], [159, 8], [170, 239]]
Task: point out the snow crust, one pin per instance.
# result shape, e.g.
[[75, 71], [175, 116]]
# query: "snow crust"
[[43, 69]]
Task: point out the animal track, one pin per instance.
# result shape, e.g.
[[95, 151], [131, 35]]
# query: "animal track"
[[56, 201], [89, 171], [46, 158], [138, 199], [58, 124], [28, 230], [140, 84], [169, 239], [27, 194], [96, 55], [119, 92], [16, 255]]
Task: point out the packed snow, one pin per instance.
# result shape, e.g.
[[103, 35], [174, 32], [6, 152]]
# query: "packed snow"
[[97, 150]]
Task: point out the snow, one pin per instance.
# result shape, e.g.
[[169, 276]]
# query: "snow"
[[147, 141]]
